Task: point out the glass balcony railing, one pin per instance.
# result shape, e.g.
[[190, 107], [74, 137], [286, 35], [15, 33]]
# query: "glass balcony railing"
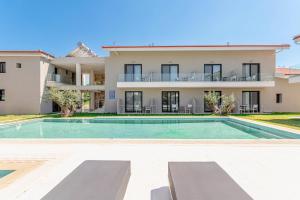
[[58, 78], [193, 77]]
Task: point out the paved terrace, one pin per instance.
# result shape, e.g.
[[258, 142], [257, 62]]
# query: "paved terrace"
[[265, 171]]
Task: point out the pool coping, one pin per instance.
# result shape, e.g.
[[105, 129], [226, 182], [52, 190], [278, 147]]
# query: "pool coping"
[[152, 141]]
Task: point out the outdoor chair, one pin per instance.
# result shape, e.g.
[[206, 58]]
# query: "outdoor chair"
[[202, 181], [188, 109], [255, 108], [93, 180]]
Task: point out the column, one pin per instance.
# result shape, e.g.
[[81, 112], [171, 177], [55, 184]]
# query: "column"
[[78, 74], [92, 101]]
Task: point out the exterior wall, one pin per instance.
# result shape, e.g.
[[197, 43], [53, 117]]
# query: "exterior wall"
[[45, 69], [188, 62], [290, 96], [22, 85], [187, 96]]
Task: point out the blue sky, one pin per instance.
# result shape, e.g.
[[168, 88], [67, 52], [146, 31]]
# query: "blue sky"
[[56, 26]]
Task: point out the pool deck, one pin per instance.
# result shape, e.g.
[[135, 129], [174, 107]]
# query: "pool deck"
[[265, 168], [264, 171]]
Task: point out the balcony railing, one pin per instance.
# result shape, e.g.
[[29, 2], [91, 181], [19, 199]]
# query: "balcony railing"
[[58, 78], [192, 77]]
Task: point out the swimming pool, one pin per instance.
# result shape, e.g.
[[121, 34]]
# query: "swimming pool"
[[5, 172], [143, 128]]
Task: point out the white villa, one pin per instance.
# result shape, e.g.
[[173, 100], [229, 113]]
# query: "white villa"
[[150, 79]]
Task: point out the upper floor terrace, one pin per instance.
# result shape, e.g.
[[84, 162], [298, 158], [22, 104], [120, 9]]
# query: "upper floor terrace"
[[228, 66], [81, 69]]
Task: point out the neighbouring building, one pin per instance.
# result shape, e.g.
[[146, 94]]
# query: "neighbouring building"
[[152, 79]]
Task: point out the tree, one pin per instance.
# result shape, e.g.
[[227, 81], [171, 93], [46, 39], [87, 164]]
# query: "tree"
[[212, 99], [227, 103], [67, 100]]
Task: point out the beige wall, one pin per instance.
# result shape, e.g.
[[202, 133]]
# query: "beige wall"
[[22, 86], [188, 62], [290, 97]]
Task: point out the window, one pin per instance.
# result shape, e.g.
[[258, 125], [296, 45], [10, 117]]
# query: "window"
[[55, 70], [133, 72], [112, 94], [170, 101], [169, 72], [279, 98], [212, 72], [206, 107], [2, 67], [67, 72], [250, 99], [18, 65], [133, 101], [2, 95], [251, 72]]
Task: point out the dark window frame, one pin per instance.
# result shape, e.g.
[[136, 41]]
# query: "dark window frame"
[[2, 67], [133, 74], [2, 94], [211, 73], [134, 110], [18, 65], [168, 65], [258, 70], [169, 109], [279, 97], [207, 110], [258, 92]]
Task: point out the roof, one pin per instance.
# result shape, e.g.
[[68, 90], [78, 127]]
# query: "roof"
[[197, 47], [10, 52], [297, 38], [82, 51], [287, 71]]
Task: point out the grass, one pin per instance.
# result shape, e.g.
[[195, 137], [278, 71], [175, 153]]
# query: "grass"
[[13, 118], [281, 119], [288, 120]]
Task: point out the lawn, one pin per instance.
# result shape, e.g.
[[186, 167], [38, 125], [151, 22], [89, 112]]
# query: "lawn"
[[13, 118], [282, 119]]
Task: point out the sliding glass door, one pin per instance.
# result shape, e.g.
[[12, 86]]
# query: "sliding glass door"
[[212, 72], [251, 72], [169, 72], [133, 101], [251, 99], [170, 101], [133, 72]]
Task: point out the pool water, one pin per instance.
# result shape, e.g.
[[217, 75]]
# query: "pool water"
[[5, 172], [146, 128]]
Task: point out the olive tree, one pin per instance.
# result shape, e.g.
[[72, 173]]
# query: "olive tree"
[[227, 103], [67, 100]]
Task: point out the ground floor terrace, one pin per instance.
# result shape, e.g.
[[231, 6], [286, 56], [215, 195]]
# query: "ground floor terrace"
[[183, 100]]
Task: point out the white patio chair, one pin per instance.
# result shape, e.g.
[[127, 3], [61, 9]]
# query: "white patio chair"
[[174, 108], [188, 109], [255, 108]]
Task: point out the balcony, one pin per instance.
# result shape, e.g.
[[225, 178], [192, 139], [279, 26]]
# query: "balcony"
[[194, 80], [65, 83]]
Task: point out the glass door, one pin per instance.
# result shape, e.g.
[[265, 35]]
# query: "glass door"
[[133, 72], [212, 72], [250, 99], [133, 101], [170, 101], [169, 72], [251, 72]]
